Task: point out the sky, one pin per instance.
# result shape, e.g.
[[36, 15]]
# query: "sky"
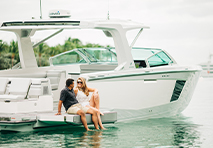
[[184, 28]]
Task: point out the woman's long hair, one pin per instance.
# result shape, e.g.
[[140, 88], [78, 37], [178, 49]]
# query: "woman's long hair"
[[84, 86]]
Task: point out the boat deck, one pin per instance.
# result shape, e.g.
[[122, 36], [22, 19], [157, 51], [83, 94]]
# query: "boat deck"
[[18, 122]]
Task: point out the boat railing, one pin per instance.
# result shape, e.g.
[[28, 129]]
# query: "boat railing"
[[17, 66]]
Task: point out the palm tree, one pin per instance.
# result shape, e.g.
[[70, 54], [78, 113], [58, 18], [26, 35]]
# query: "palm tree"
[[42, 50], [55, 50], [3, 46], [13, 49], [69, 45], [77, 43], [5, 61], [90, 45]]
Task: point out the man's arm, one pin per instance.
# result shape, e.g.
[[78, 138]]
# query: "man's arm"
[[59, 107]]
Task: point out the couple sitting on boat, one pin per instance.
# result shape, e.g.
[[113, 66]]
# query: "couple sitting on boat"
[[78, 101]]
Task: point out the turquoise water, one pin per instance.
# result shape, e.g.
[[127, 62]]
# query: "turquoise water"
[[192, 128]]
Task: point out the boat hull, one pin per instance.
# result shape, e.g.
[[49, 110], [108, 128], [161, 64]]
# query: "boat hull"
[[131, 95], [142, 95]]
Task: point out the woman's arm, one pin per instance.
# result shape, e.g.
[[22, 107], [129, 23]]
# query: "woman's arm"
[[94, 90]]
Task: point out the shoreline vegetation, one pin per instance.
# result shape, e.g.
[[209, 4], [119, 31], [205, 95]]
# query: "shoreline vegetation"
[[9, 54]]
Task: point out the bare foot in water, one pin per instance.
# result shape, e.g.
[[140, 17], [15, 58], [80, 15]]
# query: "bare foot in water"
[[103, 128], [88, 130]]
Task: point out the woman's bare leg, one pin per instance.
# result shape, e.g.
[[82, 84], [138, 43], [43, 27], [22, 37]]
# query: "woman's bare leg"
[[95, 101], [99, 118], [92, 101], [94, 114], [99, 121]]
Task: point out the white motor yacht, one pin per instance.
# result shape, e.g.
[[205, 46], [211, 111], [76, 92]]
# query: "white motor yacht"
[[132, 82], [207, 68]]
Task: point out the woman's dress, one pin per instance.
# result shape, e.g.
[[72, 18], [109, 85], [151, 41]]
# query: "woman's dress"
[[82, 98]]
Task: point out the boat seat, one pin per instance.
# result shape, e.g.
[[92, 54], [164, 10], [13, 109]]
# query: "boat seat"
[[54, 76], [3, 85], [38, 87], [18, 90]]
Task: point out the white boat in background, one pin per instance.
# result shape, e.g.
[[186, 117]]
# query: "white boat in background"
[[207, 68], [132, 82]]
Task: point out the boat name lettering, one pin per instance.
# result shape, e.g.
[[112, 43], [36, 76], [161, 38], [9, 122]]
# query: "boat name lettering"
[[165, 75]]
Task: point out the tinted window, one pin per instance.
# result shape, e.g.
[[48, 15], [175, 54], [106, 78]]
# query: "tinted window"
[[159, 60], [68, 58], [100, 55]]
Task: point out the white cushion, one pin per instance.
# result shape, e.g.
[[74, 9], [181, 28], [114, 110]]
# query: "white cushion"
[[3, 84], [54, 86], [55, 71], [36, 81], [39, 81], [54, 80], [19, 86], [33, 75], [35, 90], [53, 75], [12, 97]]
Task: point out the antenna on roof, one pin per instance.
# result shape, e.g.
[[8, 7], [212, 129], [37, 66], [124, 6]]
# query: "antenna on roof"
[[108, 16], [40, 11], [108, 11]]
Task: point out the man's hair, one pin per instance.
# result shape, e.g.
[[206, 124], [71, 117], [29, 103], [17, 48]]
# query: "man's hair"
[[69, 81]]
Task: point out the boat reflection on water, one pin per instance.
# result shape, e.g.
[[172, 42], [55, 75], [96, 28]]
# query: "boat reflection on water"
[[172, 132], [169, 132], [186, 135], [87, 139]]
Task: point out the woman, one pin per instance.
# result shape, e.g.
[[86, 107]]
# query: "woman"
[[83, 97]]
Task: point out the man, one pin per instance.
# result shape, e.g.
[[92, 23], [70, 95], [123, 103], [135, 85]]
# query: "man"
[[67, 97]]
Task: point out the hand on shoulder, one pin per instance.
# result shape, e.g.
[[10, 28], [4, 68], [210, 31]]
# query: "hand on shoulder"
[[75, 91]]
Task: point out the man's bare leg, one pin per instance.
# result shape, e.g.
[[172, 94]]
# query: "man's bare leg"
[[94, 117], [83, 119]]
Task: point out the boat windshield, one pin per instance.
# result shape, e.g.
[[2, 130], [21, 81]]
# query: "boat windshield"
[[159, 59], [70, 57], [143, 57], [84, 55], [140, 53], [143, 53], [151, 56], [99, 55]]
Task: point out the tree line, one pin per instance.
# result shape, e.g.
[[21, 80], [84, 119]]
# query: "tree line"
[[9, 54]]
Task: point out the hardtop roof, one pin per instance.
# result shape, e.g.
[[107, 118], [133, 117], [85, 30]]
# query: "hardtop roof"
[[69, 24]]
